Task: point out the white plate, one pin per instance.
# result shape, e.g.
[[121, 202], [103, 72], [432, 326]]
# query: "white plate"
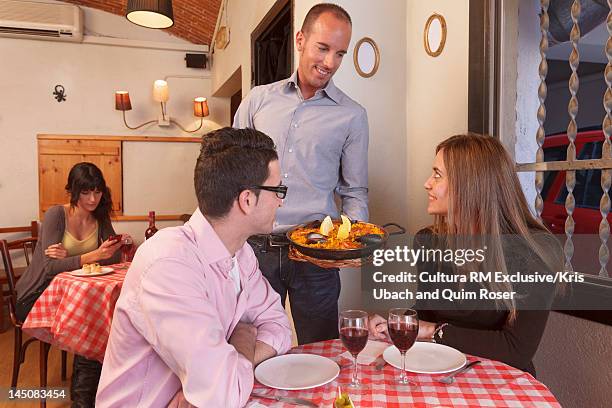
[[296, 371], [105, 270], [426, 358]]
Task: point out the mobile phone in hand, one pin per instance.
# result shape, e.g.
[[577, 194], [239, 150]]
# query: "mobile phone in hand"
[[115, 238]]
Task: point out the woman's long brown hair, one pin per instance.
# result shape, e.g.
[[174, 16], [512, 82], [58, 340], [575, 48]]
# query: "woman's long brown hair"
[[86, 176], [485, 199]]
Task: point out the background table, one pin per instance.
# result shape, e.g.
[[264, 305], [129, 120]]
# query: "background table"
[[489, 384], [75, 313]]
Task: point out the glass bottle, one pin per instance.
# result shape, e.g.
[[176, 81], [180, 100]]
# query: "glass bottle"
[[151, 230]]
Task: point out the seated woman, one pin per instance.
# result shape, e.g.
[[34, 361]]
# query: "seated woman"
[[474, 192], [72, 235]]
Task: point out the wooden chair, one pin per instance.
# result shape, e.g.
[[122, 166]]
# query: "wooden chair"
[[20, 347], [32, 229]]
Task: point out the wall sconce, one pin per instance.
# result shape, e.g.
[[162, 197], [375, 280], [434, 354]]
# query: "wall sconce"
[[161, 95]]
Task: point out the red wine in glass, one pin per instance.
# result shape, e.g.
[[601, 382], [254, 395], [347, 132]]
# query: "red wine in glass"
[[354, 339], [403, 335], [127, 250], [403, 327], [353, 327]]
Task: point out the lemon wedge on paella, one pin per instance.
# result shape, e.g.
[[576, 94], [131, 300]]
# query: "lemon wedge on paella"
[[326, 226], [345, 228]]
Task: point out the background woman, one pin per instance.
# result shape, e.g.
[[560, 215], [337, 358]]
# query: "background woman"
[[71, 235], [475, 196]]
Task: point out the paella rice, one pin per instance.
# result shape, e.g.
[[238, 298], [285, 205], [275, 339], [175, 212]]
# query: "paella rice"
[[358, 229]]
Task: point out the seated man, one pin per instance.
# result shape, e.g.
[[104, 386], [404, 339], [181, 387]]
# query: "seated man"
[[195, 312]]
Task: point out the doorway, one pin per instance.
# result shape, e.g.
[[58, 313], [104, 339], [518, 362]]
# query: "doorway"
[[272, 45]]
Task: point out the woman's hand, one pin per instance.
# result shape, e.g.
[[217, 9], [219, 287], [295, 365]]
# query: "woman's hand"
[[426, 330], [56, 251], [108, 249], [377, 327]]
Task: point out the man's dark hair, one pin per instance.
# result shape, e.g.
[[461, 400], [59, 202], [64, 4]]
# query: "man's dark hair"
[[86, 176], [321, 8], [229, 160]]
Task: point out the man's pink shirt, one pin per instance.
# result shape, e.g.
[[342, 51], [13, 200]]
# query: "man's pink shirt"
[[174, 317]]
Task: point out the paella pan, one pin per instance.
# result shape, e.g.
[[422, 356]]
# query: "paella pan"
[[362, 240]]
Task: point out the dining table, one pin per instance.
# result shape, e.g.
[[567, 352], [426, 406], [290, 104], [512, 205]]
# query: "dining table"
[[74, 313], [488, 384]]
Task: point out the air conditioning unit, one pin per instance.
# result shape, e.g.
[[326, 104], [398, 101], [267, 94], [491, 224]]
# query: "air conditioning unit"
[[41, 21]]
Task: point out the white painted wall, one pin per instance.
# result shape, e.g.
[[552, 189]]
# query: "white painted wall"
[[574, 357], [574, 361], [91, 74], [437, 96], [243, 17]]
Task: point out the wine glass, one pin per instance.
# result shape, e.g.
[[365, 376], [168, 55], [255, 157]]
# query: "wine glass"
[[403, 329], [353, 326], [127, 250]]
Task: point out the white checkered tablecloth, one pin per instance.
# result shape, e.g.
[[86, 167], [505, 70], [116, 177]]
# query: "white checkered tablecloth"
[[489, 384], [75, 313]]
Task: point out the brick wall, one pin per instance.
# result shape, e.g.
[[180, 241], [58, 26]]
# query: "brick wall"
[[194, 20]]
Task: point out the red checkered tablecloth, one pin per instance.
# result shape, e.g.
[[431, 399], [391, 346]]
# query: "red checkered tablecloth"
[[489, 384], [75, 313]]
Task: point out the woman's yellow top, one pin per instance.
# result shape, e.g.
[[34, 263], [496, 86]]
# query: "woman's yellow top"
[[80, 247]]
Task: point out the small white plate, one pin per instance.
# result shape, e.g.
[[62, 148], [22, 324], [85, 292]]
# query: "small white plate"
[[426, 358], [105, 270], [296, 371]]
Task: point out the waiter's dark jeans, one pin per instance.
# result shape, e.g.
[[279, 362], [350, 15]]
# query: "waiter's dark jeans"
[[85, 372], [84, 385], [313, 291]]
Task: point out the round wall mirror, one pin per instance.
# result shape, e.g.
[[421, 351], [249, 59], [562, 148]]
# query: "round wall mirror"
[[434, 36], [366, 57]]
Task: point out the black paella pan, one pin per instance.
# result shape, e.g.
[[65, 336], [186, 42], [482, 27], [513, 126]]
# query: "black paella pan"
[[367, 248]]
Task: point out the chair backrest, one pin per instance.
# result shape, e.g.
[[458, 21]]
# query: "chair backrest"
[[27, 245], [9, 272], [32, 229]]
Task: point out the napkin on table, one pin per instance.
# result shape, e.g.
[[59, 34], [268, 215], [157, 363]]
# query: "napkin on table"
[[372, 350]]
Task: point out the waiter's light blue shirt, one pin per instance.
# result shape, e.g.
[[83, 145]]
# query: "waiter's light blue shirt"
[[322, 144]]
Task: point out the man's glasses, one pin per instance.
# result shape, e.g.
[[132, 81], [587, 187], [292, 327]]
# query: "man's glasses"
[[281, 191]]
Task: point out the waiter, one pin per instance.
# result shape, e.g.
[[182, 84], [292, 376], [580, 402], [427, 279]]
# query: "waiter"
[[321, 136]]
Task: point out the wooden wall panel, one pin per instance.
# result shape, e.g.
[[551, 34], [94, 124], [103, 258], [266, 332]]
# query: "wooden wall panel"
[[79, 147], [56, 158]]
